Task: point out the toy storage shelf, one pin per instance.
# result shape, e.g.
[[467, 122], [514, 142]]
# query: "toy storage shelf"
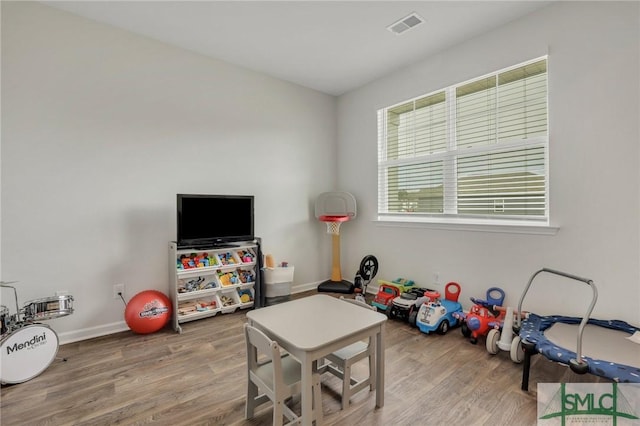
[[205, 282]]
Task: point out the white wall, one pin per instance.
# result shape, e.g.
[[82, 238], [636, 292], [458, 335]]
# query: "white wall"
[[594, 59], [101, 128]]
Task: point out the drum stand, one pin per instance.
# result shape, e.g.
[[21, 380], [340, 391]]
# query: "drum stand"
[[5, 284], [23, 323], [10, 321]]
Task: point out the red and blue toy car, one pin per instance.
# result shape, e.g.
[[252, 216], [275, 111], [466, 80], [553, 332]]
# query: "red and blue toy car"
[[483, 315], [389, 290], [438, 314]]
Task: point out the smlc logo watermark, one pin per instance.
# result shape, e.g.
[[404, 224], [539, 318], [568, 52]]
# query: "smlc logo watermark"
[[590, 404]]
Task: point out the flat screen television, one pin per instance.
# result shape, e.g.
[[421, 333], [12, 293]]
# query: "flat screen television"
[[214, 220]]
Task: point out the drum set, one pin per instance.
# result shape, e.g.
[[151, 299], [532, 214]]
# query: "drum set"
[[28, 347]]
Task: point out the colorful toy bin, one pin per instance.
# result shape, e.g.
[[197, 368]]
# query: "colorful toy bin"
[[147, 312]]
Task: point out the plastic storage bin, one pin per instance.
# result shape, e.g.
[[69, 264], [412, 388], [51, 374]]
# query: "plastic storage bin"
[[278, 282]]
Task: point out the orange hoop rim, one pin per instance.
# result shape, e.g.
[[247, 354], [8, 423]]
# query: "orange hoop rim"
[[326, 218]]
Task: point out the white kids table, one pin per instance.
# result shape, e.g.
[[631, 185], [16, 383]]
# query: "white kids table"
[[312, 327]]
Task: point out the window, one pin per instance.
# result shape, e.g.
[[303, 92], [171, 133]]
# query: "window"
[[473, 151]]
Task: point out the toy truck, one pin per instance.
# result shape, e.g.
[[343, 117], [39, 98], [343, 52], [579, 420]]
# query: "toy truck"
[[407, 304], [389, 290]]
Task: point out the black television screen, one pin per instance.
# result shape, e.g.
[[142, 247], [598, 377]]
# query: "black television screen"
[[214, 219]]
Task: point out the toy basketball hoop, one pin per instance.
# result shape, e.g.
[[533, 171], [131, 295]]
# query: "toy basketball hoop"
[[333, 223], [335, 208]]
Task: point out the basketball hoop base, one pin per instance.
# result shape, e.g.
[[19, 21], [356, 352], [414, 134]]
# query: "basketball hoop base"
[[344, 287]]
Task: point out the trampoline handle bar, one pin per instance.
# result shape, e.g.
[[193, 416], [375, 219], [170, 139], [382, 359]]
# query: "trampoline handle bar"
[[565, 274], [585, 318]]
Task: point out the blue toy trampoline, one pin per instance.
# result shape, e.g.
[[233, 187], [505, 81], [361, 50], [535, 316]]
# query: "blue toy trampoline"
[[605, 348]]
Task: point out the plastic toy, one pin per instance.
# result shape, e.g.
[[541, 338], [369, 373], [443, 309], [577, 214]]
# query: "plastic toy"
[[246, 256], [194, 306], [227, 301], [209, 260], [245, 276], [406, 305], [186, 308], [186, 262], [227, 258], [147, 311], [196, 261], [482, 316], [366, 272], [501, 337], [190, 285], [334, 209], [437, 314], [202, 305], [228, 278], [245, 296], [388, 290], [210, 284]]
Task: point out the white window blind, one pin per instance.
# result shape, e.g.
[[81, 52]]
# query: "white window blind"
[[474, 150]]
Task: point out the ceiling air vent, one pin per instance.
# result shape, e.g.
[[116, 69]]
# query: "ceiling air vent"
[[405, 23]]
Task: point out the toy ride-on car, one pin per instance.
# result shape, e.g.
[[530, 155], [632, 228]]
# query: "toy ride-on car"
[[389, 290], [406, 305], [503, 337], [483, 315], [437, 314]]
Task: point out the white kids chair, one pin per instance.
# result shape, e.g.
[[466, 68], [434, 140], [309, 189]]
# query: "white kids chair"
[[277, 376], [341, 361]]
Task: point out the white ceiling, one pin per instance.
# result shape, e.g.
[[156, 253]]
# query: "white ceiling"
[[330, 46]]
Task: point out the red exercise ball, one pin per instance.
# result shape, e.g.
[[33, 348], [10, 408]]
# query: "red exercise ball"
[[147, 311]]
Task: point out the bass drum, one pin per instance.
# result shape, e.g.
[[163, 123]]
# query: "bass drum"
[[27, 352]]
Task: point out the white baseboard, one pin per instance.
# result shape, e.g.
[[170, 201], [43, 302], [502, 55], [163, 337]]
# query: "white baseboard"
[[92, 332], [118, 327], [301, 288]]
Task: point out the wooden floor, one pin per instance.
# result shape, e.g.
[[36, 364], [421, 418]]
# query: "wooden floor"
[[198, 378]]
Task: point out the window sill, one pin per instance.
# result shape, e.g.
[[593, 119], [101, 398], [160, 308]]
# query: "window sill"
[[475, 225]]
